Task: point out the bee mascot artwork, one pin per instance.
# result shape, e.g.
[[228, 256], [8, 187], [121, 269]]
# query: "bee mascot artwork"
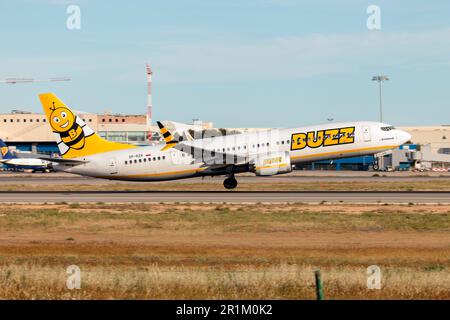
[[72, 130]]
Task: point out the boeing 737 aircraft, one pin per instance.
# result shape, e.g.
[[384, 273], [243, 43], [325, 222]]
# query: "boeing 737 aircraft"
[[264, 153], [12, 162]]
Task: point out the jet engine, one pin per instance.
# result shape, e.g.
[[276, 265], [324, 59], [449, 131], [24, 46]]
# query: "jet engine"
[[270, 164]]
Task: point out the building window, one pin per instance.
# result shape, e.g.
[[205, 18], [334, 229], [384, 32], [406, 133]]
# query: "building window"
[[123, 120], [43, 120], [136, 136], [110, 120], [24, 120], [117, 136], [90, 120], [11, 120], [117, 120], [103, 120], [37, 120], [31, 120], [4, 120]]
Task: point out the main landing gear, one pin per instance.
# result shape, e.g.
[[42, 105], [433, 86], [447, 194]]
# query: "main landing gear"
[[230, 183]]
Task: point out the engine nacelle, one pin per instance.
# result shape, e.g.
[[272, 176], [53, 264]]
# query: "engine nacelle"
[[272, 163]]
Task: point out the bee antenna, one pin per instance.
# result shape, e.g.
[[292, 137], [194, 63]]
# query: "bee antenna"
[[53, 108]]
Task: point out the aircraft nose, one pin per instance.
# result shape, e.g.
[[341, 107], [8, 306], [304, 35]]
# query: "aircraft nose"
[[403, 136]]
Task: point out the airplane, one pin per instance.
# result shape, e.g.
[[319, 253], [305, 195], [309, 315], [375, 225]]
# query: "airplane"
[[264, 153], [11, 161]]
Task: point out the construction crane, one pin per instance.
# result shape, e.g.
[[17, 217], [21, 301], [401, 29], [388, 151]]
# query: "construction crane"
[[31, 80]]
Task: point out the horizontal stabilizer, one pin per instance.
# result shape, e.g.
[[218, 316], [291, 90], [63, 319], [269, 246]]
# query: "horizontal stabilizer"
[[63, 161]]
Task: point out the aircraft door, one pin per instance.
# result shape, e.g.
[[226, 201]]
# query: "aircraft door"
[[112, 165], [366, 134]]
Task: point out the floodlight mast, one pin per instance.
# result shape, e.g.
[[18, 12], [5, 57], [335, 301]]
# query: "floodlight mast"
[[380, 79]]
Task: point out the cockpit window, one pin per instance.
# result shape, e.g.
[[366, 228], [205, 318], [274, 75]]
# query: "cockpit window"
[[387, 128]]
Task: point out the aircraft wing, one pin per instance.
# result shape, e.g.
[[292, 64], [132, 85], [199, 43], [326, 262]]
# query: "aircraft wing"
[[63, 161], [210, 157]]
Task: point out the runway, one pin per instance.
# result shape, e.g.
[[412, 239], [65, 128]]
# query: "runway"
[[61, 178], [423, 197]]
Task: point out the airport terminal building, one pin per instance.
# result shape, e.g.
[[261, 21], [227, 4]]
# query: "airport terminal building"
[[30, 132]]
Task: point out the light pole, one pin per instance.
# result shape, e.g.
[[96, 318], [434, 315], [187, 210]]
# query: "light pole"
[[380, 80]]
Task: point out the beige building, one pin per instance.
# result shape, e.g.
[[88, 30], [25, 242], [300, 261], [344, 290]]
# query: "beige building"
[[29, 127], [31, 132], [438, 137]]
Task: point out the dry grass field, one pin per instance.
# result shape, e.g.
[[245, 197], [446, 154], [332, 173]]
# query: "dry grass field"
[[187, 251], [216, 185]]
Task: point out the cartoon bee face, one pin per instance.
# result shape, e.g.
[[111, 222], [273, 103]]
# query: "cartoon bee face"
[[69, 128], [62, 119], [4, 151]]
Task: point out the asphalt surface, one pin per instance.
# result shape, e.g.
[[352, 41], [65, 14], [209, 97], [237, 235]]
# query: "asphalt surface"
[[224, 196], [60, 178]]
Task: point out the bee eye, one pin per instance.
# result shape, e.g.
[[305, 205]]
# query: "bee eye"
[[63, 115], [56, 119]]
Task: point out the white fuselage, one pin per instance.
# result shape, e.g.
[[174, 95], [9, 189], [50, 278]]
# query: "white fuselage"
[[152, 164]]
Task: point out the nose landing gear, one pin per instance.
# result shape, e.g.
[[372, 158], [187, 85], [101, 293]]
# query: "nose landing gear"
[[230, 183]]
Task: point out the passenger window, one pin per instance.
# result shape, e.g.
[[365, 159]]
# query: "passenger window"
[[135, 161], [159, 158], [126, 162], [164, 157], [140, 160], [145, 160]]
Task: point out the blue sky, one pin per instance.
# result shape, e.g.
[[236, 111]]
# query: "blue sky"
[[238, 63]]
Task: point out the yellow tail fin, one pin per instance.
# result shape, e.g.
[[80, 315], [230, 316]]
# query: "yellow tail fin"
[[74, 137]]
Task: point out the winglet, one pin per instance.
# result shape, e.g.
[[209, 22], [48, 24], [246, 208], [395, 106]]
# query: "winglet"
[[168, 138]]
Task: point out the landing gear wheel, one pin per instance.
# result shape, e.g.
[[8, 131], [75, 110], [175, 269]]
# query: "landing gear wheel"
[[230, 183]]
